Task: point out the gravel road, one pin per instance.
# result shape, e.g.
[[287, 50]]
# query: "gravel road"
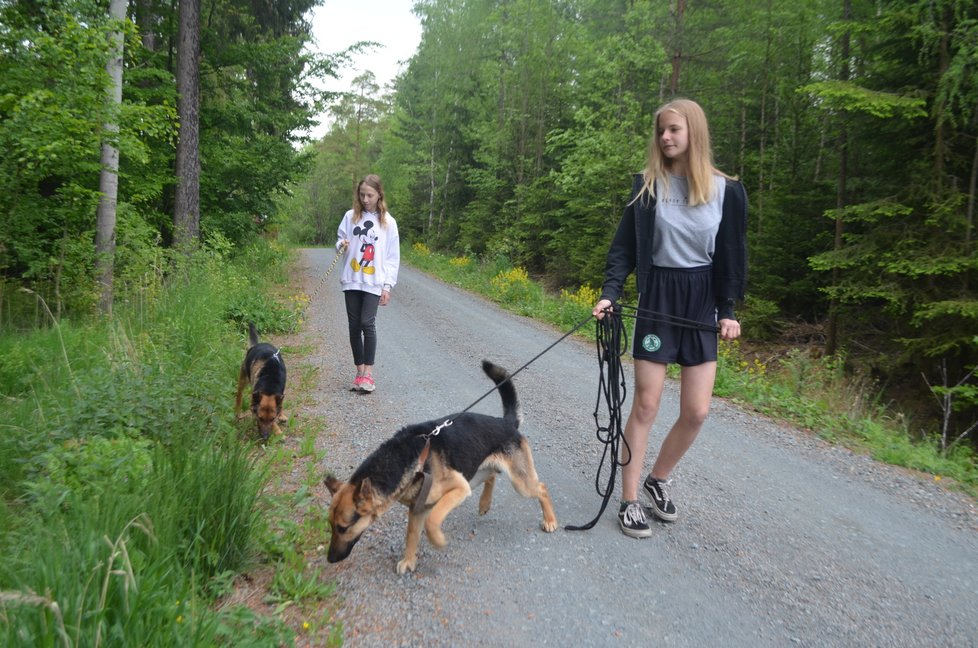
[[783, 539]]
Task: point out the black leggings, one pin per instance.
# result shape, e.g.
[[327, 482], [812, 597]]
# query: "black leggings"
[[361, 313]]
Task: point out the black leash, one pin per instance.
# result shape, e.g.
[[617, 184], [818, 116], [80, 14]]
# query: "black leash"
[[665, 318], [611, 341], [509, 378]]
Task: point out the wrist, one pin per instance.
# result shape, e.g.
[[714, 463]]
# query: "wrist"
[[725, 309]]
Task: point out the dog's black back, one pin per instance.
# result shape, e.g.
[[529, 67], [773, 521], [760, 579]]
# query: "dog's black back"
[[271, 377], [464, 445]]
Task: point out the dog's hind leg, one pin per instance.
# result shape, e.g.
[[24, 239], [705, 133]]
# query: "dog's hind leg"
[[523, 475], [411, 542], [485, 500], [547, 506]]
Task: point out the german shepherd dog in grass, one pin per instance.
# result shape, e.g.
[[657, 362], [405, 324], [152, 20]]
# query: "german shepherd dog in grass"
[[264, 370], [432, 474]]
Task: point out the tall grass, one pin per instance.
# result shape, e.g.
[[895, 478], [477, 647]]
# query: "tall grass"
[[126, 493], [815, 393]]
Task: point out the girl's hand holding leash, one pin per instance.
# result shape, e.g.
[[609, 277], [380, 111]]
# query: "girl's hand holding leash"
[[601, 308], [729, 329]]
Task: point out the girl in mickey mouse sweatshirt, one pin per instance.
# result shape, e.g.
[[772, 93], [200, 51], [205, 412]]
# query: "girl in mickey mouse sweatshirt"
[[368, 238]]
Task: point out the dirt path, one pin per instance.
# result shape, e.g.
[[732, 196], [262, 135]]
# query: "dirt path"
[[782, 540]]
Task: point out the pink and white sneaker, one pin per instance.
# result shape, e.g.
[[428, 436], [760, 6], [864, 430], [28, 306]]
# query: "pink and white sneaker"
[[367, 383]]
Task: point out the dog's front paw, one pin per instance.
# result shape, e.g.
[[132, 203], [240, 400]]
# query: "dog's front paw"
[[243, 415], [549, 525], [406, 565]]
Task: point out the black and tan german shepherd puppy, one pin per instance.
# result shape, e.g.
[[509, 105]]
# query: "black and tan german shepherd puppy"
[[471, 450], [263, 369]]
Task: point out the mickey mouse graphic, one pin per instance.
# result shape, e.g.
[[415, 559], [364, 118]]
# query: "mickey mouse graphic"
[[368, 237]]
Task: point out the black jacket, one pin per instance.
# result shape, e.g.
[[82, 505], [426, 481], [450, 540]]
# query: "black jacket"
[[631, 249]]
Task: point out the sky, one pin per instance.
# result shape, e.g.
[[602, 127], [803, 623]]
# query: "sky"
[[337, 24]]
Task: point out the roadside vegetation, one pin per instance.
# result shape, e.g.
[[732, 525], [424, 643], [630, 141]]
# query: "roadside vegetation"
[[795, 385], [130, 498]]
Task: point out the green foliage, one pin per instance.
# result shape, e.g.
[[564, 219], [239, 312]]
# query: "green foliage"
[[761, 318], [257, 95], [126, 495], [208, 513], [52, 107], [85, 468], [103, 578], [840, 95]]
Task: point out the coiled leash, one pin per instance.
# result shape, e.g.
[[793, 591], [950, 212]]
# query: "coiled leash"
[[322, 281], [611, 340]]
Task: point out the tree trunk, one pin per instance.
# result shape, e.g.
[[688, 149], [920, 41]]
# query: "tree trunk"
[[832, 333], [943, 61], [972, 189], [186, 210], [105, 216], [144, 19], [677, 52]]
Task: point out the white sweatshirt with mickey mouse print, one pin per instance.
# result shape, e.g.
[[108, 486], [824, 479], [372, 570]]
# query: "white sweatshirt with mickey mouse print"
[[374, 256]]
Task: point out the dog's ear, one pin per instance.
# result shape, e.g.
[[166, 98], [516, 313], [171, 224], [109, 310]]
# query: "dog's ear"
[[332, 483], [278, 401], [255, 400], [364, 492]]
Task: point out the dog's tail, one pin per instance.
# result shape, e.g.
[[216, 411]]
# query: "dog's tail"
[[507, 391], [252, 333]]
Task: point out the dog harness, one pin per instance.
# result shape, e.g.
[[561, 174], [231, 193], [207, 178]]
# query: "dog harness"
[[425, 475], [426, 480]]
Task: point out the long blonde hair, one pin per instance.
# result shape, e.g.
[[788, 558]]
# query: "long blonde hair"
[[372, 181], [699, 154]]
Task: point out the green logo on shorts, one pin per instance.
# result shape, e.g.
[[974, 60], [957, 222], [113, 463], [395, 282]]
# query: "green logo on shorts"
[[651, 343]]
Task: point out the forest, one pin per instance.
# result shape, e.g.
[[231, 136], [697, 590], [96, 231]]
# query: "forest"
[[511, 134]]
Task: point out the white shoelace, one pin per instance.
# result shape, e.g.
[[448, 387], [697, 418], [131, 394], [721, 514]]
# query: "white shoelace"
[[664, 492], [634, 514]]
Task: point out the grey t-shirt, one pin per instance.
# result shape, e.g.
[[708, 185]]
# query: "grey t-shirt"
[[685, 236]]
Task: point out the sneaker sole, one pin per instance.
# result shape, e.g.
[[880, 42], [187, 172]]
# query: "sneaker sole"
[[367, 389], [665, 517], [633, 533], [662, 515]]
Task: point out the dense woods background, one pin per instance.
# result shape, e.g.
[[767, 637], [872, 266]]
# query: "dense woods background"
[[511, 134], [852, 123]]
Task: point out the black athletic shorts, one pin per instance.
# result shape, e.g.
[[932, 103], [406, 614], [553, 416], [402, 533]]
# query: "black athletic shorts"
[[685, 293]]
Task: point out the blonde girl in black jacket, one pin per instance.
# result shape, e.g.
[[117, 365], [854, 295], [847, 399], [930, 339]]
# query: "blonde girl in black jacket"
[[683, 233]]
